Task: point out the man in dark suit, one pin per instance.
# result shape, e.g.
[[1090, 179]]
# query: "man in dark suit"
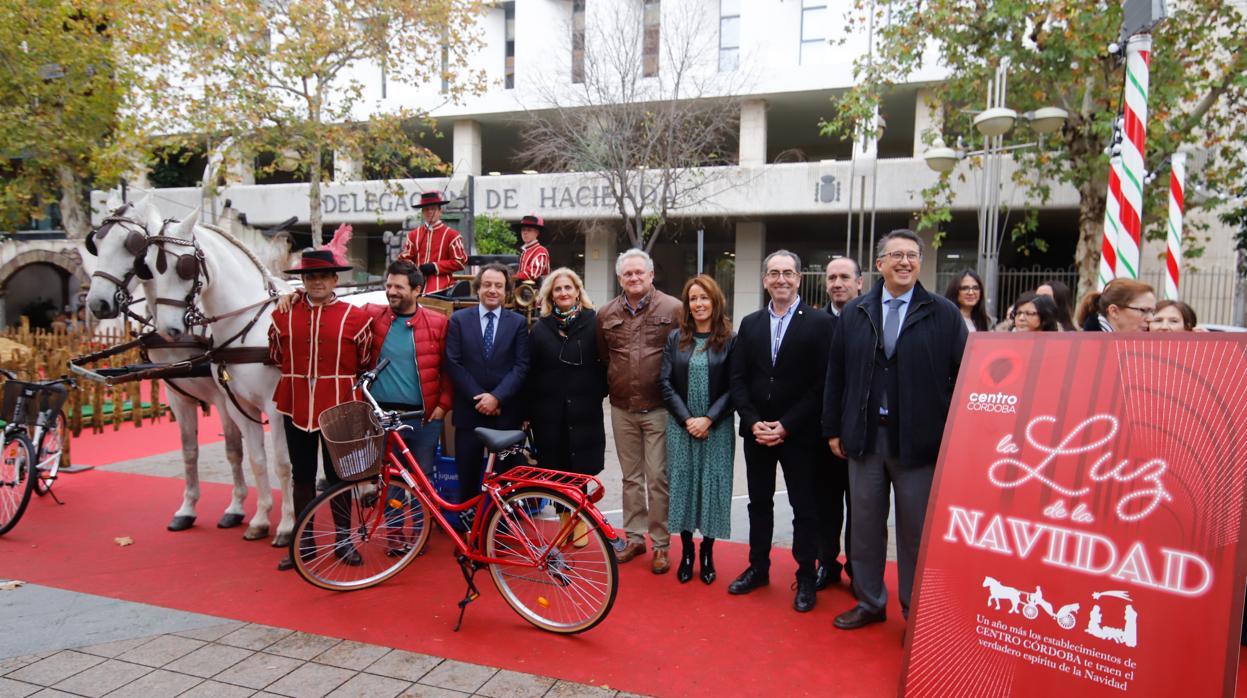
[[894, 361], [487, 358], [844, 283], [778, 367]]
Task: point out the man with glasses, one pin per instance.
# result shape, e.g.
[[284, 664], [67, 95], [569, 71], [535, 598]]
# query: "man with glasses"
[[896, 354], [778, 366]]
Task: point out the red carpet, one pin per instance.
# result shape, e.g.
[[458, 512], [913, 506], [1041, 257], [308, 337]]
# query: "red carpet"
[[662, 638], [130, 442]]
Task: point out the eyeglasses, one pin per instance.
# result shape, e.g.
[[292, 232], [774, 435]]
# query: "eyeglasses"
[[1025, 313], [969, 289], [571, 354], [788, 274], [1145, 312], [899, 256]]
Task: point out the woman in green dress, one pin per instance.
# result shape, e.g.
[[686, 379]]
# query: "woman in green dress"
[[701, 444]]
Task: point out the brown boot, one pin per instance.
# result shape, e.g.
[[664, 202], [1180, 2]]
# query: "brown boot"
[[661, 564], [630, 551]]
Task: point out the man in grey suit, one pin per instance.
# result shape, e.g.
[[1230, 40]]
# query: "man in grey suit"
[[893, 363]]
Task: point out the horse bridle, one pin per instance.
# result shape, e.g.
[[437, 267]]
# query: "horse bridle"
[[135, 244], [189, 267]]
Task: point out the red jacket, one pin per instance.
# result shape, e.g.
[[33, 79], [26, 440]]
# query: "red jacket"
[[534, 262], [320, 349], [429, 335], [441, 246]]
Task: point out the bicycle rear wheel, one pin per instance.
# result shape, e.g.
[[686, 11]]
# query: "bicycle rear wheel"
[[350, 537], [572, 588], [50, 448], [17, 476]]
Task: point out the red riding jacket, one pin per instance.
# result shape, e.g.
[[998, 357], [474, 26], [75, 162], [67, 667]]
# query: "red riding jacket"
[[441, 246], [534, 262]]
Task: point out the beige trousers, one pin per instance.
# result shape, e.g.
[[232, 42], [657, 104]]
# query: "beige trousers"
[[641, 444]]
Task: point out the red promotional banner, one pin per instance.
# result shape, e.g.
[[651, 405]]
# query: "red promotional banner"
[[1083, 535]]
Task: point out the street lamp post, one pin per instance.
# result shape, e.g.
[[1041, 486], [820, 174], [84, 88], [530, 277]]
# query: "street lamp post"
[[993, 123]]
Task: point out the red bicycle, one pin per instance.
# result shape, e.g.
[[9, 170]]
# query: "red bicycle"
[[546, 545]]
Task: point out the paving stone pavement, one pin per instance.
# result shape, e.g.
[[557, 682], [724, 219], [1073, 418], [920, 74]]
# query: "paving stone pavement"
[[229, 659]]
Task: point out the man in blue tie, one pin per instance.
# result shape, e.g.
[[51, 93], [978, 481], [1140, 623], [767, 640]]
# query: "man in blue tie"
[[487, 358], [890, 376]]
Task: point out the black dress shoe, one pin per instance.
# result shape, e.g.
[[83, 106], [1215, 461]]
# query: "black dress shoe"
[[858, 617], [805, 599], [285, 564], [749, 580], [348, 554], [825, 577], [685, 570], [707, 564]]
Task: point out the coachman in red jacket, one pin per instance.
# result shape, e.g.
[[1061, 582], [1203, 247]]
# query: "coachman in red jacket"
[[321, 345], [434, 247], [534, 257]]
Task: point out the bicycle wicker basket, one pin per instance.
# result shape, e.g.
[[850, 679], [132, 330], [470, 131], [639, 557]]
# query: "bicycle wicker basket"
[[355, 439], [47, 399]]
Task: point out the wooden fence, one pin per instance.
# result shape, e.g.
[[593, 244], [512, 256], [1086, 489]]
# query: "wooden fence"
[[41, 354]]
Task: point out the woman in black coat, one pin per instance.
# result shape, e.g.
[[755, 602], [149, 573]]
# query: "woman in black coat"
[[566, 383]]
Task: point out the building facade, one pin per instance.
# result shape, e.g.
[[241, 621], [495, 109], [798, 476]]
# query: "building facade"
[[786, 185]]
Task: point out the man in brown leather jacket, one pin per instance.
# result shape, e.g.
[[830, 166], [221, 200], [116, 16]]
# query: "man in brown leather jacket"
[[632, 332]]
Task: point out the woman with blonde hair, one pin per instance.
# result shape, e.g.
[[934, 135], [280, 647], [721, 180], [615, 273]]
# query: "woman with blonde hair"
[[700, 443], [566, 382]]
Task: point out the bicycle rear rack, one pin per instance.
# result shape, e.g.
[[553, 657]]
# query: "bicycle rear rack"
[[540, 476]]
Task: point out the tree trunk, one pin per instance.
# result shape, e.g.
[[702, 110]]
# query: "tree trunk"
[[1091, 202], [313, 197], [74, 216]]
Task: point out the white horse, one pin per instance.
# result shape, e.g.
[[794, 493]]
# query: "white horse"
[[998, 592], [113, 280], [202, 270]]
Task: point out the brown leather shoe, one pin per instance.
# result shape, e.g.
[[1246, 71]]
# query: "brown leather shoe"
[[630, 551], [661, 563]]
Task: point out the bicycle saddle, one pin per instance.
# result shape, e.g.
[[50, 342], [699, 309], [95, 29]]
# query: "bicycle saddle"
[[499, 440]]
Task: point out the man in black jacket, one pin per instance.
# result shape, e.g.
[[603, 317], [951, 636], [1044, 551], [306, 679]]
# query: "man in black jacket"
[[844, 283], [778, 367], [894, 361]]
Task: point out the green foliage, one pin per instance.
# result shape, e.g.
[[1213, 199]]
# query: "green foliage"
[[494, 236], [1058, 57]]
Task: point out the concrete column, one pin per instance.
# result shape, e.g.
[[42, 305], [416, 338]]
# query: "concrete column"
[[346, 168], [467, 150], [926, 118], [750, 251], [929, 255], [600, 263], [753, 132]]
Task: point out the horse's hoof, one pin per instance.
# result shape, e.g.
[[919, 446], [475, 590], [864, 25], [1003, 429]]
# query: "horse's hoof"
[[231, 521], [281, 540], [255, 533], [181, 523]]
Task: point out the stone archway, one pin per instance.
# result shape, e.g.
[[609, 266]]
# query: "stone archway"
[[67, 260]]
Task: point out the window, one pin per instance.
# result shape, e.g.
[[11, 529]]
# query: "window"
[[578, 40], [649, 46], [729, 35], [814, 14], [509, 68]]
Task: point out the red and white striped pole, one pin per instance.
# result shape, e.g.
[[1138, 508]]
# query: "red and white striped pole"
[[1173, 235], [1133, 147], [1112, 225]]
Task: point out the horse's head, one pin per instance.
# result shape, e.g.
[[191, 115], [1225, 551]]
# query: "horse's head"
[[117, 245], [176, 264], [988, 581]]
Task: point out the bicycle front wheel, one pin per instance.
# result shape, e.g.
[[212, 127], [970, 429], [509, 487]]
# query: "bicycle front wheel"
[[17, 478], [50, 448], [568, 589], [354, 536]]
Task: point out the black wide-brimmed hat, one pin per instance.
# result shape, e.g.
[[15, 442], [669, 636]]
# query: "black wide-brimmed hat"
[[431, 198], [530, 222], [318, 260]]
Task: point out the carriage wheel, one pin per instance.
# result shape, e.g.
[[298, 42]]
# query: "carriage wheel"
[[1031, 612], [1066, 621]]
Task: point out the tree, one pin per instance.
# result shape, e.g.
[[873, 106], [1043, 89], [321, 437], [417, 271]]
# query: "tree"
[[283, 77], [492, 235], [647, 113], [60, 91], [1058, 56]]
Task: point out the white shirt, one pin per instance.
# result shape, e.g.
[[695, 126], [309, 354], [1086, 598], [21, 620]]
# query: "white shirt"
[[779, 325], [908, 297]]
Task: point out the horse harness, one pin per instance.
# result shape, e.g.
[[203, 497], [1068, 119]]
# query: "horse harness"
[[189, 267]]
